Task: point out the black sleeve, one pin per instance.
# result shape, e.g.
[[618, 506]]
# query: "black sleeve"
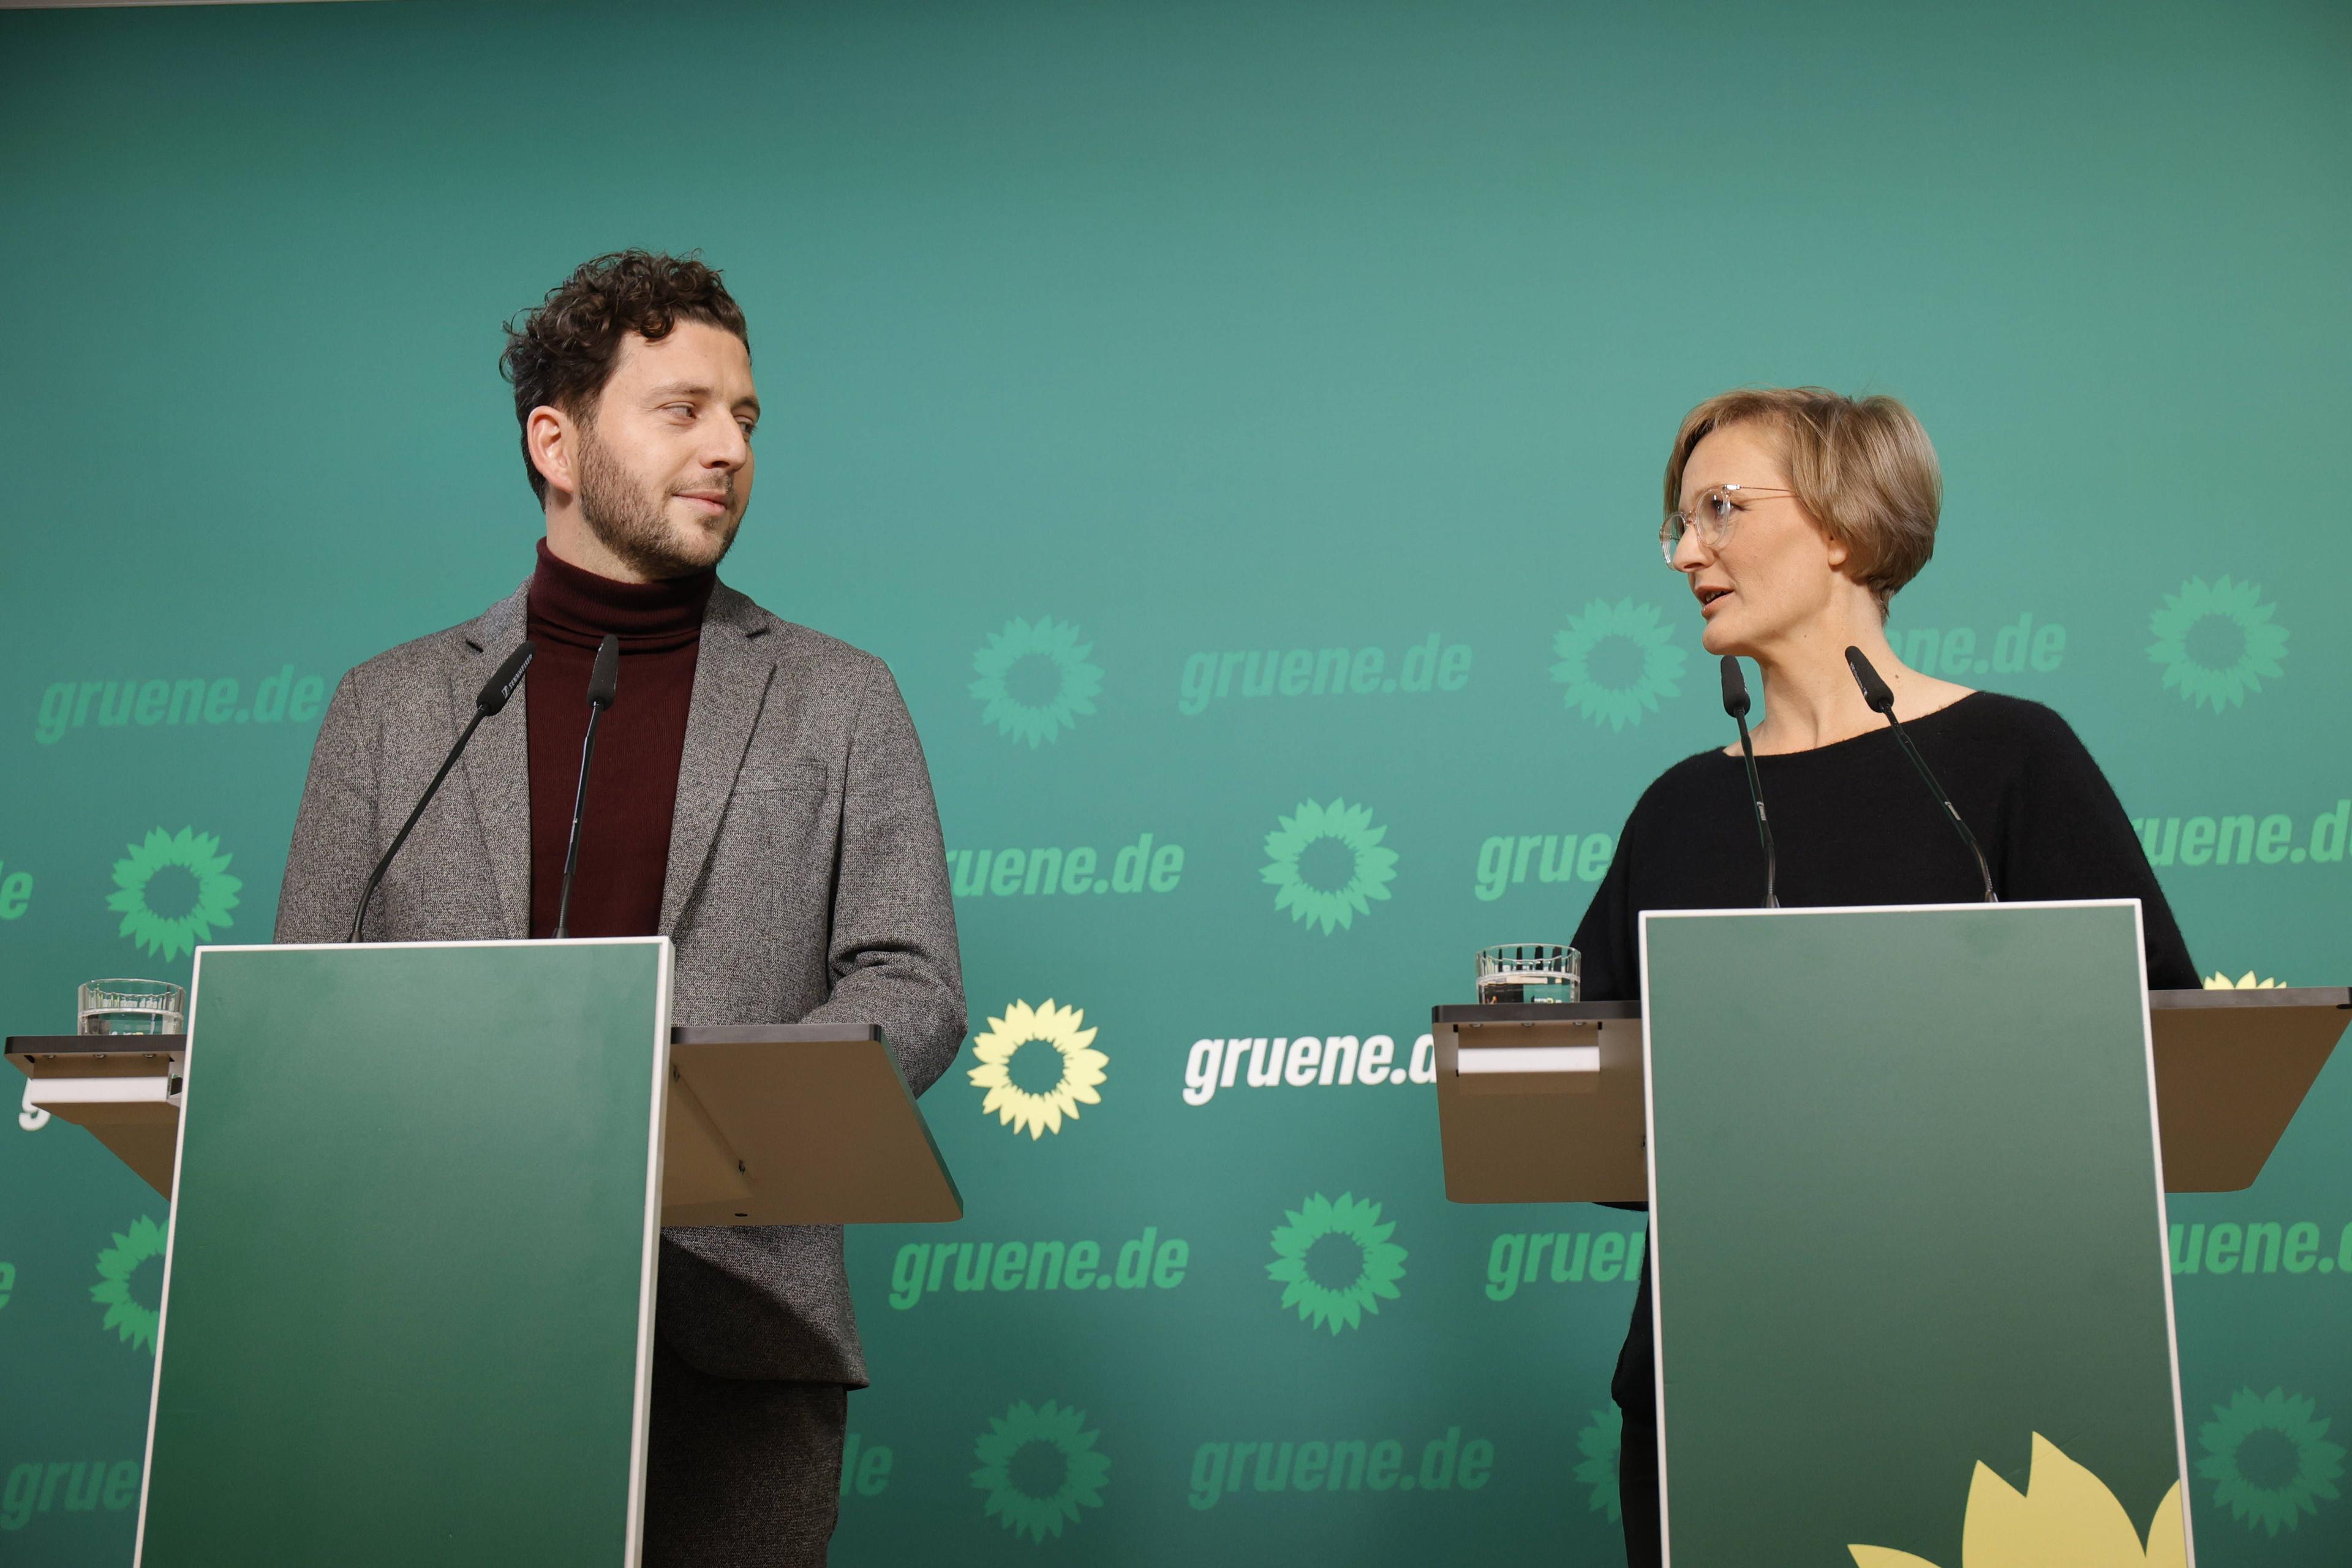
[[1607, 939], [2071, 840]]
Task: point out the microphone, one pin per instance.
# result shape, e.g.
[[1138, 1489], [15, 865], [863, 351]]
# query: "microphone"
[[495, 692], [1875, 692], [1735, 705], [603, 681]]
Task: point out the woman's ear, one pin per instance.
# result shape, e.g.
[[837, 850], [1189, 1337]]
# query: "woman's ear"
[[1838, 553]]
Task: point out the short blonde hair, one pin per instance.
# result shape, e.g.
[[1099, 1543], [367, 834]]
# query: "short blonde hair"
[[1863, 467]]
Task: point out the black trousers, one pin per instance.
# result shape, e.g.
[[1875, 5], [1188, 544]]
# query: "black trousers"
[[741, 1474], [1634, 1387]]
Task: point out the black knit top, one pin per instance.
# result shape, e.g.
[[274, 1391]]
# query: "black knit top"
[[1853, 823]]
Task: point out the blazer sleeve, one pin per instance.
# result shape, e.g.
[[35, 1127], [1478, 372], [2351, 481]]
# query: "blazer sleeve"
[[334, 842], [893, 948]]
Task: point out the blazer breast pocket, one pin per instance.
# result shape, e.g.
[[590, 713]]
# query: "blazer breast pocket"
[[785, 808], [797, 775]]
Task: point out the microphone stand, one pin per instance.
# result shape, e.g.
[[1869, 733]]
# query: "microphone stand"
[[1734, 703], [494, 696], [603, 680], [1881, 698]]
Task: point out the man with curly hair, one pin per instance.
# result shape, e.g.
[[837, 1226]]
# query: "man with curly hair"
[[759, 798]]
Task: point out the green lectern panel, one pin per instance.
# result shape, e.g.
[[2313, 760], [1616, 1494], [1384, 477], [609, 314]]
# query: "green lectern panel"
[[1908, 1224], [409, 1276]]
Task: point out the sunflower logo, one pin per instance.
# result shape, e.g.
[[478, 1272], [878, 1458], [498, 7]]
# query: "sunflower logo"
[[2216, 644], [1038, 1065], [1600, 1444], [2066, 1514], [1616, 661], [1035, 680], [2219, 981], [1039, 1466], [1328, 862], [1336, 1261], [172, 890], [128, 1313], [2269, 1461]]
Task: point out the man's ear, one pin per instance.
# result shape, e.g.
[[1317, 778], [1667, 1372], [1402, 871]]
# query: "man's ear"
[[553, 438]]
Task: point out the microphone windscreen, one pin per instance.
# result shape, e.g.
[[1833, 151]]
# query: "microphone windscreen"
[[501, 685], [604, 679], [1875, 690], [1735, 689]]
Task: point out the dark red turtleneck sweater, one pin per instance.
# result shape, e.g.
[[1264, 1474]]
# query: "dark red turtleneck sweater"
[[632, 789]]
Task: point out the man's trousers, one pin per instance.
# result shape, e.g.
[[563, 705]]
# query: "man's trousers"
[[740, 1473]]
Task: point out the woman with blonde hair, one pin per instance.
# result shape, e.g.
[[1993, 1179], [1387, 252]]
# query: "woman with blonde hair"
[[1795, 515]]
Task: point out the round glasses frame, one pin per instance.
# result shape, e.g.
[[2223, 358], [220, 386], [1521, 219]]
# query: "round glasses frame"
[[1712, 512]]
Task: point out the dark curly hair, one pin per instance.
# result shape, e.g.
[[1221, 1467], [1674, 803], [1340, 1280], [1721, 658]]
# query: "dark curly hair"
[[562, 354]]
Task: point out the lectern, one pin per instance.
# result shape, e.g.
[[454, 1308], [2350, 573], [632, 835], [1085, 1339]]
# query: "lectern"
[[418, 1190], [1975, 1109]]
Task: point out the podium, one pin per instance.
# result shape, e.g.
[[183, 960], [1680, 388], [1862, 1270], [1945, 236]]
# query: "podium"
[[1966, 1116], [418, 1190]]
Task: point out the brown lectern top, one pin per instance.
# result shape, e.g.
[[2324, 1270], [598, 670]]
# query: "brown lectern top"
[[1541, 1102], [768, 1124]]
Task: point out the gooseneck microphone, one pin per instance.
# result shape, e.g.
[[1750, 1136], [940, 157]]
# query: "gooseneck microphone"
[[603, 681], [1735, 705], [1875, 692], [500, 686]]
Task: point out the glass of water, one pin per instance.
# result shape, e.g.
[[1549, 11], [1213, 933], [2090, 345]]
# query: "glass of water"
[[130, 1007], [1531, 971]]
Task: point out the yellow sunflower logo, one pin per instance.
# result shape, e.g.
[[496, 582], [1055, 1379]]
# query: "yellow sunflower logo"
[[2219, 981], [2066, 1514], [1038, 1065]]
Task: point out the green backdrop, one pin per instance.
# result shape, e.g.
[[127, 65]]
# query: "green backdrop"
[[1239, 426]]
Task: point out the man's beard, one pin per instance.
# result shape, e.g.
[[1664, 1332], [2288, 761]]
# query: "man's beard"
[[631, 521]]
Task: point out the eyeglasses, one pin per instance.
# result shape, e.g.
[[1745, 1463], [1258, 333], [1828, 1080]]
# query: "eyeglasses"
[[1712, 513]]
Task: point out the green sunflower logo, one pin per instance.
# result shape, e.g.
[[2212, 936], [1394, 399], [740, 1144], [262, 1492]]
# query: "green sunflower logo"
[[1336, 1261], [1328, 862], [1600, 1444], [2216, 644], [1035, 680], [131, 1313], [172, 890], [1039, 1466], [2269, 1460], [1616, 661]]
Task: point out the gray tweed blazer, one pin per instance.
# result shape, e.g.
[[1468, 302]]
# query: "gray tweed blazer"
[[806, 882]]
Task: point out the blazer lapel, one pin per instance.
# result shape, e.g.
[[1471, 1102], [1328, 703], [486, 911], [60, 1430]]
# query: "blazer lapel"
[[731, 672], [498, 762]]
